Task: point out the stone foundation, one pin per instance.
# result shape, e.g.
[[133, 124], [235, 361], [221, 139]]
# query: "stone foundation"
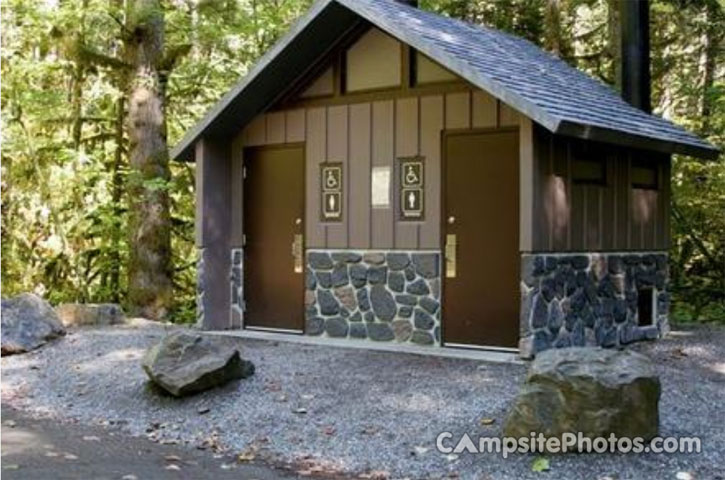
[[200, 288], [590, 299], [390, 296], [237, 287]]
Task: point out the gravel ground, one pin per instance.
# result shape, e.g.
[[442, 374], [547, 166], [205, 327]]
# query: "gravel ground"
[[354, 412]]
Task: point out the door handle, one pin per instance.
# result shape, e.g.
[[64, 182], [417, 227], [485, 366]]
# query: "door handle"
[[297, 250], [451, 244]]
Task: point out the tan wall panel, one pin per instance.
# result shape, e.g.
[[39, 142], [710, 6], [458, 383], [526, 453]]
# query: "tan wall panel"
[[483, 110], [374, 62], [431, 125], [295, 126], [337, 146], [359, 176], [406, 145], [458, 110], [275, 128], [428, 71], [321, 86], [256, 132], [508, 116], [315, 153], [526, 185], [383, 150]]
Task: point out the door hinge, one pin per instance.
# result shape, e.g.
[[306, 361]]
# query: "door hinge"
[[244, 239], [244, 173]]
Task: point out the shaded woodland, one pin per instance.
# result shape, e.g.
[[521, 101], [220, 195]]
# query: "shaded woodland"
[[95, 92]]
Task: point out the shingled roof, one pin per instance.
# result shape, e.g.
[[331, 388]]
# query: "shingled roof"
[[541, 86]]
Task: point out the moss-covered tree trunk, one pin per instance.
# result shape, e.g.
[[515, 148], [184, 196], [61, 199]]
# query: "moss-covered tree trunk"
[[150, 263]]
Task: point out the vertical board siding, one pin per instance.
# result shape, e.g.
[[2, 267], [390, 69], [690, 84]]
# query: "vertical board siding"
[[315, 153], [458, 110], [295, 126], [383, 150], [337, 145], [483, 110], [256, 132], [597, 218], [359, 168], [275, 128], [365, 135], [526, 184], [432, 116], [406, 145]]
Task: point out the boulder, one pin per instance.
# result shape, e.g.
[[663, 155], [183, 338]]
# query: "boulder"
[[590, 390], [90, 314], [28, 322], [184, 363]]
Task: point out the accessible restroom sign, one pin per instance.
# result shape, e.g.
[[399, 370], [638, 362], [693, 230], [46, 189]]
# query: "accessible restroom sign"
[[331, 183], [412, 181]]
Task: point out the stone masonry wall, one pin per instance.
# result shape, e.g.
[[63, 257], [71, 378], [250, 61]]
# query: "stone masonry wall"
[[589, 299], [237, 287], [200, 288], [379, 296]]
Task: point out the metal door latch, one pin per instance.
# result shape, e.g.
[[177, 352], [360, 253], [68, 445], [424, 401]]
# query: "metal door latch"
[[451, 244], [297, 252]]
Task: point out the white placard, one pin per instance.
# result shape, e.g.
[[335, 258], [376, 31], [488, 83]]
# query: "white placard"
[[380, 187]]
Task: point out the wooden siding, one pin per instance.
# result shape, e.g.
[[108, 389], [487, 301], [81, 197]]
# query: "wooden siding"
[[363, 135], [583, 217]]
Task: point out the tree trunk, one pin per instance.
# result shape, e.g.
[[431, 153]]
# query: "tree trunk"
[[712, 38], [552, 27], [150, 262]]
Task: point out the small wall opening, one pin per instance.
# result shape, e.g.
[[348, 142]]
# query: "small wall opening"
[[646, 306]]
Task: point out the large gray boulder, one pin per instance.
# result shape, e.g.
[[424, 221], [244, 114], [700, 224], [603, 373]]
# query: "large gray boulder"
[[184, 363], [28, 322], [90, 314], [589, 390]]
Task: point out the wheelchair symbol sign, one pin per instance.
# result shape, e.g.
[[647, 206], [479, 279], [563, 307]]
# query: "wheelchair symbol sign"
[[332, 178], [412, 174]]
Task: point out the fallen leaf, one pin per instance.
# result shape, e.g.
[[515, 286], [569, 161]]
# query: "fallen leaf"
[[488, 421], [300, 410], [11, 466], [684, 476], [10, 423], [451, 457], [51, 454], [129, 477], [91, 438], [418, 450], [247, 455], [70, 456], [172, 458], [203, 410], [173, 466], [541, 464], [307, 397], [227, 466]]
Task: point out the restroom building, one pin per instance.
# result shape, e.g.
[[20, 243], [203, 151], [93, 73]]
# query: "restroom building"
[[386, 174]]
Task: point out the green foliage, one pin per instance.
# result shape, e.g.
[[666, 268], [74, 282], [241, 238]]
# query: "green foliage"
[[65, 166]]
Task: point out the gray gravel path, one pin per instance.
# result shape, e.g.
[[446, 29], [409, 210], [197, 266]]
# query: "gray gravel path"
[[333, 410]]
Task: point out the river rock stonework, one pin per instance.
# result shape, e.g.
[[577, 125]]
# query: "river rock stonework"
[[237, 287], [200, 288], [389, 296], [590, 299]]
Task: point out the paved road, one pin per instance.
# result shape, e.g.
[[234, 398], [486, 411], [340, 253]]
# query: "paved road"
[[43, 449]]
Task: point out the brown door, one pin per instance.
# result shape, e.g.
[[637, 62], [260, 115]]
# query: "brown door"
[[273, 226], [481, 230]]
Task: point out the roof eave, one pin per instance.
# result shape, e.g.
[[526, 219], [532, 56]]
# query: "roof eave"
[[606, 135]]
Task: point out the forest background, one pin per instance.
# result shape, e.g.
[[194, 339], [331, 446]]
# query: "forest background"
[[94, 92]]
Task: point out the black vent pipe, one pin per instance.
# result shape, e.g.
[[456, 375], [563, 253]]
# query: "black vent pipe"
[[635, 71]]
